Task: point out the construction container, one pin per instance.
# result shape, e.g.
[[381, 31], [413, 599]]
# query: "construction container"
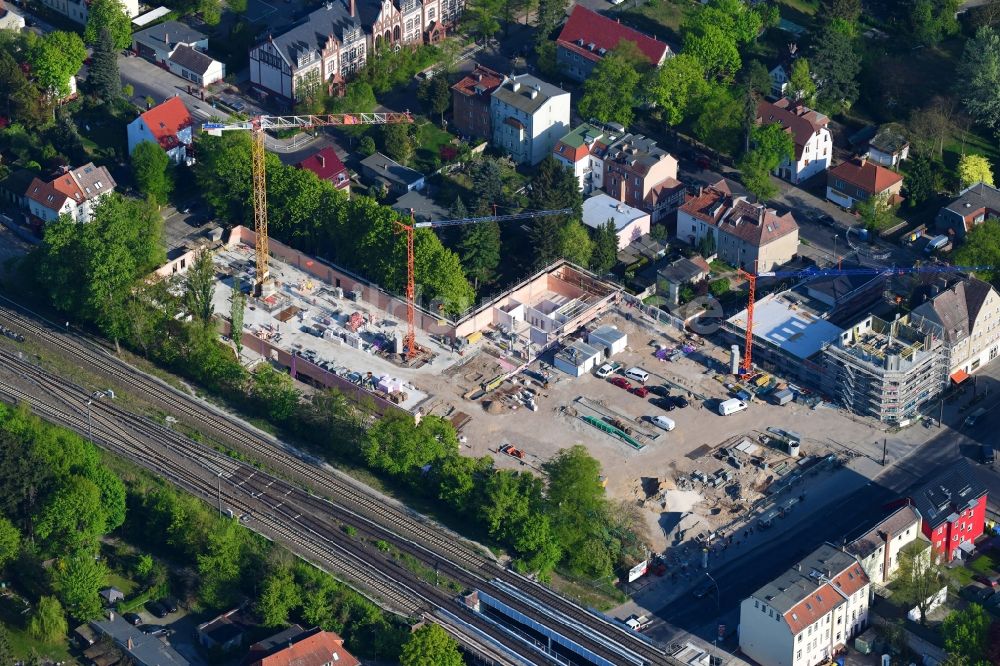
[[782, 397]]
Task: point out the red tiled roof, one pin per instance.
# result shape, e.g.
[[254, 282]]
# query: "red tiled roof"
[[314, 650], [166, 120], [800, 121], [482, 81], [825, 598], [869, 176], [45, 194], [739, 217], [326, 165], [604, 33]]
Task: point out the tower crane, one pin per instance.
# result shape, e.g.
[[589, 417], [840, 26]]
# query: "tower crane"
[[812, 272], [410, 341], [260, 124]]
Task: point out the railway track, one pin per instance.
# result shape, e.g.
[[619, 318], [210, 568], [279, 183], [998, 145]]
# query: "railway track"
[[373, 514]]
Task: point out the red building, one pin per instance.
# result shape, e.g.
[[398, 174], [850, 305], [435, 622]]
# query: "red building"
[[953, 507], [327, 166], [470, 99]]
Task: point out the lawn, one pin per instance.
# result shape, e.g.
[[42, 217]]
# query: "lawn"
[[103, 134], [429, 140], [127, 586], [22, 644], [659, 18]]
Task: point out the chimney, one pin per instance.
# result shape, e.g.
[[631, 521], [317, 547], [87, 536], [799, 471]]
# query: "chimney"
[[166, 38], [864, 160], [130, 645], [621, 191], [351, 5]]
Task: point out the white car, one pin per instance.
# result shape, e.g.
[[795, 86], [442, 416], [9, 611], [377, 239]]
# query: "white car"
[[605, 371], [616, 2]]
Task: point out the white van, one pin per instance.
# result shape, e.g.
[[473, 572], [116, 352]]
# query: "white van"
[[664, 422], [731, 406], [638, 374]]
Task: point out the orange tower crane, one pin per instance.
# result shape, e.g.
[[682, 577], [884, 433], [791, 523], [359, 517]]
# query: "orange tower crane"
[[258, 126], [410, 341]]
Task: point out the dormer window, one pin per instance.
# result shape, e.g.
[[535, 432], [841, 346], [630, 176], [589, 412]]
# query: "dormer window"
[[98, 185]]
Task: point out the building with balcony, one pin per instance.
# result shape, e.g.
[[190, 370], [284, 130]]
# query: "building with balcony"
[[529, 116], [878, 547], [170, 125], [582, 150], [643, 175], [73, 192], [810, 135]]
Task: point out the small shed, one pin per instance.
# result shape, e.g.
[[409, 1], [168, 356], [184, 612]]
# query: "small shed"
[[577, 359], [85, 636], [608, 339], [112, 595]]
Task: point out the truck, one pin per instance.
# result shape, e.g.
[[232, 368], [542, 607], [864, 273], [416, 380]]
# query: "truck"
[[731, 406], [638, 622]]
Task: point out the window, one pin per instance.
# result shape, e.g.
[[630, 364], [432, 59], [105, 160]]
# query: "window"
[[798, 655], [756, 604]]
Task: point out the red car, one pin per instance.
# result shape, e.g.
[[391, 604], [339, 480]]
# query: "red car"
[[621, 382], [641, 391]]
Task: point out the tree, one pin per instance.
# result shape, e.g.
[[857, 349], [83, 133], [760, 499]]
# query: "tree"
[[6, 651], [756, 175], [919, 184], [974, 169], [714, 49], [211, 11], [396, 142], [933, 20], [77, 581], [677, 86], [48, 622], [605, 253], [931, 126], [877, 212], [484, 14], [237, 310], [366, 146], [10, 541], [486, 175], [845, 10], [550, 14], [430, 644], [756, 76], [574, 243], [458, 210], [982, 248], [719, 121], [800, 81], [556, 187], [237, 6], [108, 15], [55, 58], [153, 173], [836, 63], [610, 90], [274, 392], [480, 251], [143, 566], [199, 287], [103, 80], [436, 94], [918, 578], [965, 634], [279, 597], [22, 102], [396, 446], [73, 517], [358, 98], [979, 77]]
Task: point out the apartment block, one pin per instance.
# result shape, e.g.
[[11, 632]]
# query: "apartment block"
[[529, 116], [643, 175], [953, 508], [582, 150], [886, 369], [878, 548]]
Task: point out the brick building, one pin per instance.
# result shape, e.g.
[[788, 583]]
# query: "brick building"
[[470, 100]]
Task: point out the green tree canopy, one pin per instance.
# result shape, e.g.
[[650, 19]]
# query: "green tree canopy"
[[609, 93], [430, 644], [918, 579], [48, 622], [104, 81], [719, 119], [677, 86], [605, 254], [982, 248], [397, 446], [965, 634], [199, 287], [10, 541], [73, 516], [77, 581], [800, 81], [279, 597], [933, 20], [555, 187], [108, 15], [714, 49], [480, 251], [153, 172], [55, 58], [396, 142], [835, 63], [979, 77], [919, 185], [974, 169]]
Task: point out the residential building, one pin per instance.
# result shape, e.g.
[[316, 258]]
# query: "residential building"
[[10, 19], [397, 178], [327, 166], [141, 648], [808, 613], [588, 36], [810, 135], [886, 369], [582, 150], [77, 10], [674, 275], [953, 509], [889, 146], [878, 547], [744, 234], [14, 187], [973, 206], [74, 192], [639, 173], [333, 41], [470, 102], [225, 632], [528, 116], [196, 66], [781, 73], [168, 124], [630, 223], [157, 44], [296, 646], [577, 359], [859, 180], [968, 313]]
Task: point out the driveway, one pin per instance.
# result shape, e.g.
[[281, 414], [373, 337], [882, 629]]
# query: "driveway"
[[148, 80]]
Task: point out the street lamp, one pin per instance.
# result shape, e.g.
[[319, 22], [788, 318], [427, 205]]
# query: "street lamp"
[[716, 591]]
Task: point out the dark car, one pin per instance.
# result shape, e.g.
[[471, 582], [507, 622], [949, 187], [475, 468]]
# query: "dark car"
[[665, 404], [659, 390], [681, 401], [156, 609], [703, 590], [132, 618], [988, 581], [988, 456], [826, 220], [641, 391], [154, 630], [169, 603]]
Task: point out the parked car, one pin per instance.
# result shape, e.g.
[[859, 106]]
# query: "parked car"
[[703, 590], [132, 618], [659, 389], [681, 401], [665, 404], [988, 455], [826, 220], [641, 391], [621, 382], [604, 371], [156, 609], [169, 603], [988, 581]]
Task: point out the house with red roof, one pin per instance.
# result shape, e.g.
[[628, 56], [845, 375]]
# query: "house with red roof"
[[72, 192], [470, 102], [860, 180], [327, 166], [810, 135], [168, 124], [296, 646], [588, 36]]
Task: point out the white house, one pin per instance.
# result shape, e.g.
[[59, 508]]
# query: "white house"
[[195, 66], [879, 547], [168, 124], [77, 9], [73, 192], [529, 117], [577, 359], [810, 135], [630, 223], [802, 617], [582, 150], [889, 146]]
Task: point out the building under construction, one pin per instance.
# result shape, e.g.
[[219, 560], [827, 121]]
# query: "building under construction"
[[885, 369]]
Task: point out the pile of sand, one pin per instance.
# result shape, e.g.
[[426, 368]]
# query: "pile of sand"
[[681, 501]]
